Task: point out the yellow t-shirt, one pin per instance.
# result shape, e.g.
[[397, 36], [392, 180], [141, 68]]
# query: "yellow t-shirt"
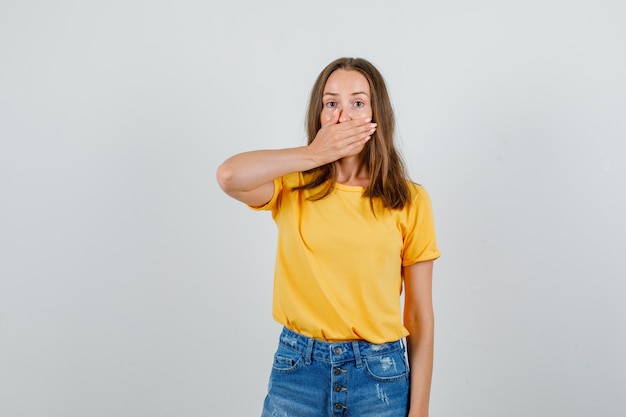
[[338, 269]]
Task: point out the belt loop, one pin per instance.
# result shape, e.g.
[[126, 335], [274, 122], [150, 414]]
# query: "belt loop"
[[357, 354], [308, 353]]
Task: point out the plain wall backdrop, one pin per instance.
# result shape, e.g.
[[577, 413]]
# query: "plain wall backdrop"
[[130, 285]]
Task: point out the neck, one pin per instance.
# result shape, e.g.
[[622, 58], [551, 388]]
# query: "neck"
[[352, 170]]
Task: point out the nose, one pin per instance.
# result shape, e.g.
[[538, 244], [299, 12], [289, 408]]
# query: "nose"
[[344, 115]]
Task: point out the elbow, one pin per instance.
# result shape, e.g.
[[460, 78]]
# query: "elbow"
[[419, 321], [224, 176]]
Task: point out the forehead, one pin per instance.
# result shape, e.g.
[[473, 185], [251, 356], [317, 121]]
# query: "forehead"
[[347, 81]]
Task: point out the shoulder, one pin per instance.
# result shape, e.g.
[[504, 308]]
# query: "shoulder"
[[418, 192], [419, 202], [294, 179], [289, 181]]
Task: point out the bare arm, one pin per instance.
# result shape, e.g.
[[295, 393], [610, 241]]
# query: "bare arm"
[[420, 322], [249, 176]]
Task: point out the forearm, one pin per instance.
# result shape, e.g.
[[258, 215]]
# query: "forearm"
[[420, 345], [419, 320], [249, 170], [249, 176]]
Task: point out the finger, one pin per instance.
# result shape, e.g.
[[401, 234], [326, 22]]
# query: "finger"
[[357, 146], [355, 123], [330, 118], [355, 141], [360, 132]]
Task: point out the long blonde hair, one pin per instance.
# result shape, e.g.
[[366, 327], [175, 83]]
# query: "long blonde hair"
[[387, 174]]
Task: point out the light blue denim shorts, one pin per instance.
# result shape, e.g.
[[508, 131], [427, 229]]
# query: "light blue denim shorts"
[[314, 378]]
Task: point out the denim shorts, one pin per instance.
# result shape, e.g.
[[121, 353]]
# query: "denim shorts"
[[314, 378]]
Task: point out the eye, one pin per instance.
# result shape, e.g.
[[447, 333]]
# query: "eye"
[[330, 104], [359, 103]]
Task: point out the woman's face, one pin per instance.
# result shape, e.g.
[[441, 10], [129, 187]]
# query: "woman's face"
[[346, 97]]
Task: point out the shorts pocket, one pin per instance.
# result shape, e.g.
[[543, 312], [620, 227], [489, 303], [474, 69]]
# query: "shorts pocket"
[[387, 367], [287, 360]]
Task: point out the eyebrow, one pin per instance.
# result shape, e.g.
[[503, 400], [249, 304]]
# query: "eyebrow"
[[353, 94]]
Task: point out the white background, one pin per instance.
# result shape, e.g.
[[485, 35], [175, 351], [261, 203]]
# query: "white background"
[[131, 286]]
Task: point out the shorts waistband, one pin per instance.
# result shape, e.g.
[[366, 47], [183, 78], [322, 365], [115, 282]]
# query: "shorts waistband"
[[335, 351]]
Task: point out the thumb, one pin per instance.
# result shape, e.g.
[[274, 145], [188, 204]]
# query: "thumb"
[[332, 119], [336, 116]]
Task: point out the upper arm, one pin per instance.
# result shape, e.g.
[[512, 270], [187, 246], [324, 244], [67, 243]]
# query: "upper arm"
[[419, 240], [255, 198], [418, 283]]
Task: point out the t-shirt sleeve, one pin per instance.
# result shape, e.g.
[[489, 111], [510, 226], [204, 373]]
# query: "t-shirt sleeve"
[[420, 242], [274, 203]]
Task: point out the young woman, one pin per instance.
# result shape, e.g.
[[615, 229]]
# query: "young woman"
[[352, 228]]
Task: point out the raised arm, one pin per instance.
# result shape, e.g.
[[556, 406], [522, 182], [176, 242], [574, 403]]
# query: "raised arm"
[[249, 176]]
